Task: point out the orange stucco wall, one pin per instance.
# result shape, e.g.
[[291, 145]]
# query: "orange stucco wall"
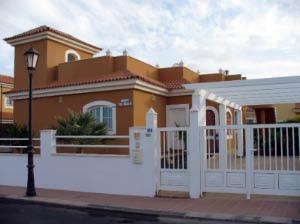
[[46, 110], [85, 69], [142, 102], [136, 66], [51, 54]]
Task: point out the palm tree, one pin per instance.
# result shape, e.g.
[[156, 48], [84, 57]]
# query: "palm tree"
[[80, 124]]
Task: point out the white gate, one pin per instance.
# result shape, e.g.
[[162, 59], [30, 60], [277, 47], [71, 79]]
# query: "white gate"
[[268, 164], [173, 172]]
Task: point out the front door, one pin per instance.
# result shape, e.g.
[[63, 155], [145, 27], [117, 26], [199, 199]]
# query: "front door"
[[178, 115]]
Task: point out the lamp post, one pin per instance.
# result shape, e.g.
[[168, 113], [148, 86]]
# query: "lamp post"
[[31, 58]]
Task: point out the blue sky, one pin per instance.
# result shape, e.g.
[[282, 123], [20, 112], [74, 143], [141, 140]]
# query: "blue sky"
[[258, 38]]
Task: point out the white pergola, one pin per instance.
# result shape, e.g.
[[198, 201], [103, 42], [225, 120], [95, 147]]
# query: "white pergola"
[[251, 92], [239, 93]]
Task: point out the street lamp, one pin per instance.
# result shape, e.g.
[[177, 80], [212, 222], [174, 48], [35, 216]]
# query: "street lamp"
[[31, 58]]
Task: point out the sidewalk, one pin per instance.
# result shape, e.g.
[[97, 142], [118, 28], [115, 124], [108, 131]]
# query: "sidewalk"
[[213, 206]]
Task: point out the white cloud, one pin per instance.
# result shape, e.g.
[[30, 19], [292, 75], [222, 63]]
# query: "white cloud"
[[256, 38]]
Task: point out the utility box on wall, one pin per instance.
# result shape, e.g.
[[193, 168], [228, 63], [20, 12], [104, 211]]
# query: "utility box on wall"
[[136, 151]]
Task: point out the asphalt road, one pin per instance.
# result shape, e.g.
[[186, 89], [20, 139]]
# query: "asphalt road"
[[20, 212]]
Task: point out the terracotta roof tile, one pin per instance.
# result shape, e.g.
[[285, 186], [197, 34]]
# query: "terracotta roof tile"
[[42, 29], [6, 79], [176, 83], [122, 75]]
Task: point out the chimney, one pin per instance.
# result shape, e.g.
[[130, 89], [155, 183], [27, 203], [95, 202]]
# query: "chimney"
[[125, 52], [108, 52]]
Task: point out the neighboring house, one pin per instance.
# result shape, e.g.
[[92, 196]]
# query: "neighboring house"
[[116, 90], [6, 105], [287, 111], [272, 113]]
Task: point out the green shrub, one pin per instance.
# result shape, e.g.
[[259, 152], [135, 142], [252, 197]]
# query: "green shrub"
[[80, 124]]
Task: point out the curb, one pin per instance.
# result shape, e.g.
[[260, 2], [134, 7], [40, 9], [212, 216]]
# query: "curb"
[[161, 215]]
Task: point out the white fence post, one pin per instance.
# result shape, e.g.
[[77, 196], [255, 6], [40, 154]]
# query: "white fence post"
[[48, 142], [152, 135], [240, 135], [222, 137], [197, 144], [249, 159]]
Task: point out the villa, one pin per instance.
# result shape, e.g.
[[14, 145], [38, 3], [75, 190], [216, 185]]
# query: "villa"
[[116, 90], [183, 131]]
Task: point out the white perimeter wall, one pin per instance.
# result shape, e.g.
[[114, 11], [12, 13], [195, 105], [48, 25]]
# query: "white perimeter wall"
[[87, 173]]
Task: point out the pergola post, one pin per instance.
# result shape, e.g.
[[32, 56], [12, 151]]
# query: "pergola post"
[[240, 145], [197, 149], [222, 137]]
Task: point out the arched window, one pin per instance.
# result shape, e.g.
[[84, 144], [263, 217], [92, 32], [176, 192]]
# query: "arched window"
[[229, 119], [212, 116], [71, 55], [103, 112]]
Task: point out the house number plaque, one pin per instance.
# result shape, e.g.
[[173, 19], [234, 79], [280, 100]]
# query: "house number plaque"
[[136, 152]]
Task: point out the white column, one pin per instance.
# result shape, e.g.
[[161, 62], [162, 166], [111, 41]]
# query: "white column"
[[153, 146], [197, 144], [151, 119], [240, 136], [249, 159], [222, 137], [48, 142]]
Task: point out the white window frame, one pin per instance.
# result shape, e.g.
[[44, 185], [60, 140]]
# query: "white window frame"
[[104, 104], [71, 51], [5, 103]]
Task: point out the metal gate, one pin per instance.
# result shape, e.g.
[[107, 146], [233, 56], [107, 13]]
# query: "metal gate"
[[173, 172], [268, 164]]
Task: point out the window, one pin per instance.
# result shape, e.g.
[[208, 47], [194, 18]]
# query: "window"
[[103, 112], [250, 116], [8, 103], [71, 55]]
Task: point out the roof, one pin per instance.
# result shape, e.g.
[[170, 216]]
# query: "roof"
[[6, 79], [117, 76], [175, 83], [42, 29]]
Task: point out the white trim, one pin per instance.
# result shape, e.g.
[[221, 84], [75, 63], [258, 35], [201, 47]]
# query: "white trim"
[[7, 85], [52, 36], [5, 103], [177, 106], [6, 121], [107, 104], [213, 109], [97, 87], [180, 92], [71, 51]]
